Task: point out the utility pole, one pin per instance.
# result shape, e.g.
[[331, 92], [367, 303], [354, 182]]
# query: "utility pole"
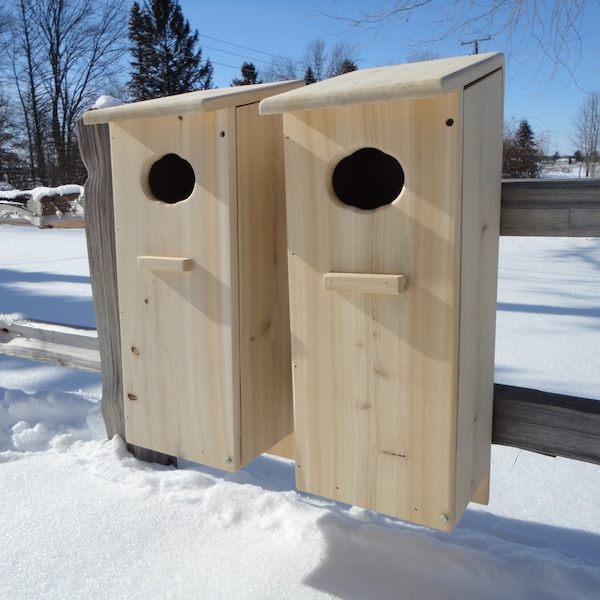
[[476, 43]]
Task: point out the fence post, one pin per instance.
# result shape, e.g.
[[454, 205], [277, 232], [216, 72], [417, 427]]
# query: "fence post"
[[94, 146]]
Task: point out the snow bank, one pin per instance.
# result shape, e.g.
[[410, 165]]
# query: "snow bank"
[[81, 518], [92, 522], [39, 421]]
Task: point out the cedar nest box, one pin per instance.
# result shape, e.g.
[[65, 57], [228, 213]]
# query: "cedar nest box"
[[393, 180], [198, 186]]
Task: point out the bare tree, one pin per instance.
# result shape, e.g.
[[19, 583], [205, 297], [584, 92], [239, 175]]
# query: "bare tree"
[[282, 69], [420, 55], [553, 24], [11, 159], [317, 59], [61, 52], [586, 126], [342, 59]]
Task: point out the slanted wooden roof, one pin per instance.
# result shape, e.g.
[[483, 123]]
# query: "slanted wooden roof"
[[382, 84], [191, 102]]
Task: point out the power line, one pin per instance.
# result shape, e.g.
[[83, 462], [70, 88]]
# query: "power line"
[[281, 60], [476, 43], [279, 57]]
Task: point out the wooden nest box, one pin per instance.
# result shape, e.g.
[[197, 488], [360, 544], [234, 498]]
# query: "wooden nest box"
[[393, 179], [198, 185]]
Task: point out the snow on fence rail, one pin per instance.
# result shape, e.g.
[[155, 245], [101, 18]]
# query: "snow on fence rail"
[[43, 206], [538, 421]]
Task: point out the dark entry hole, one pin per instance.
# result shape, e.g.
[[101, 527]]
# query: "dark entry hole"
[[171, 179], [368, 179]]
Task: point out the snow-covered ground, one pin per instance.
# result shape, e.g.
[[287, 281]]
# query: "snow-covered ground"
[[81, 519], [565, 168]]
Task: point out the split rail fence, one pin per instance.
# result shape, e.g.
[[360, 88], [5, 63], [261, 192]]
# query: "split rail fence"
[[543, 422]]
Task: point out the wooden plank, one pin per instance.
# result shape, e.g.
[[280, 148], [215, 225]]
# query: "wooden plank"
[[480, 223], [52, 333], [367, 283], [172, 264], [179, 334], [72, 347], [551, 207], [94, 146], [263, 306], [547, 423]]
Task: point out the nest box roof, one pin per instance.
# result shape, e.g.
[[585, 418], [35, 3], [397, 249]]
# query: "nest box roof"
[[191, 102], [382, 84]]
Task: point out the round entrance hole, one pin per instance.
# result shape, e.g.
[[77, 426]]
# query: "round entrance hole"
[[171, 179], [368, 179]]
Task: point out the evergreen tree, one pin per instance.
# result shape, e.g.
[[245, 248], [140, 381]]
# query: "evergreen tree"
[[309, 76], [521, 156], [166, 57], [346, 66], [318, 63], [524, 135], [249, 75]]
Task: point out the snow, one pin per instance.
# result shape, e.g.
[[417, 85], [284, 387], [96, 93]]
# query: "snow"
[[38, 193], [107, 101], [13, 202], [81, 518]]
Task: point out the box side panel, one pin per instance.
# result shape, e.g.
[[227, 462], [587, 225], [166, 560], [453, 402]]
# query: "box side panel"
[[180, 360], [482, 166], [375, 374], [265, 355]]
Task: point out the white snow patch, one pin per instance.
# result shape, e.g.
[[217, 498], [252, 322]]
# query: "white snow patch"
[[81, 518], [107, 101]]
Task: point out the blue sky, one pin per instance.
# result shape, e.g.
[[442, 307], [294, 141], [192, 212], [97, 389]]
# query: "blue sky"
[[234, 31]]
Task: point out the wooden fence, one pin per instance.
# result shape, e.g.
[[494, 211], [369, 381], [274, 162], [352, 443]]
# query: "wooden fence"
[[43, 207], [538, 421]]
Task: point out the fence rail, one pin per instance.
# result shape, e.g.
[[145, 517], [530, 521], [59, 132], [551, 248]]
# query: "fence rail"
[[534, 420], [551, 207], [73, 347], [43, 207]]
